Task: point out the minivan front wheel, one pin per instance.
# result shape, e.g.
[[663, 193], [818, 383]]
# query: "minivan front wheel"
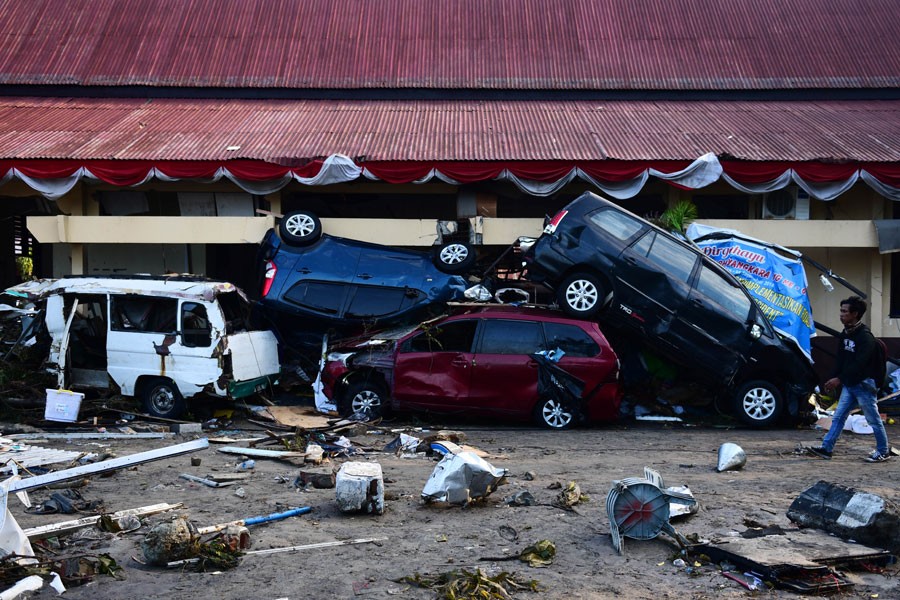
[[581, 295], [758, 403], [161, 398], [365, 397], [300, 228], [551, 413]]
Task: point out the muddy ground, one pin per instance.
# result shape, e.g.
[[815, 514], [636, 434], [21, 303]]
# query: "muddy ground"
[[430, 540]]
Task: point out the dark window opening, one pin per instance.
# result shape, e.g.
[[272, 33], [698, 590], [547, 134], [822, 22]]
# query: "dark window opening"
[[572, 340], [724, 206], [196, 331], [511, 337], [449, 337], [895, 274], [144, 314], [370, 302]]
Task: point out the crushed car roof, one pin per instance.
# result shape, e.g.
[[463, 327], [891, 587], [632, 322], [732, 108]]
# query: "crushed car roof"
[[146, 285]]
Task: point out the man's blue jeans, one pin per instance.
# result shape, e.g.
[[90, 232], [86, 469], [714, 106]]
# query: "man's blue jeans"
[[863, 395]]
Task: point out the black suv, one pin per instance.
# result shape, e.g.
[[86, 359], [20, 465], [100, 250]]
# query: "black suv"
[[606, 263]]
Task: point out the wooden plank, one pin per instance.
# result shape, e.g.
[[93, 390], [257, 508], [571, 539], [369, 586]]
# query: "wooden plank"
[[45, 531]]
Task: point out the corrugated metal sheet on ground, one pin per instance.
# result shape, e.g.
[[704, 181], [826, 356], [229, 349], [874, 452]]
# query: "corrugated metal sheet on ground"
[[32, 456], [454, 44]]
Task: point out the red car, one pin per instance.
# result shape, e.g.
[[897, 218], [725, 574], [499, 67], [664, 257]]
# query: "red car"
[[481, 362]]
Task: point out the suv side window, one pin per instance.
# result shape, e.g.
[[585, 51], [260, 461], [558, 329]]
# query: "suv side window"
[[616, 224], [510, 337], [457, 336], [716, 288], [574, 341], [370, 301], [676, 261], [319, 296]]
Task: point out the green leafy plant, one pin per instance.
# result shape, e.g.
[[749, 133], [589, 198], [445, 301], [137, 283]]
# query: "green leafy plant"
[[24, 267], [677, 218]]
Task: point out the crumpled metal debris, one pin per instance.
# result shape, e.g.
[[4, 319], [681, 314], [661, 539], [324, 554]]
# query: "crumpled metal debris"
[[731, 457], [461, 476]]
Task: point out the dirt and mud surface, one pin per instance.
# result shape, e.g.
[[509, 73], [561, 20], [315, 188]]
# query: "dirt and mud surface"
[[430, 540]]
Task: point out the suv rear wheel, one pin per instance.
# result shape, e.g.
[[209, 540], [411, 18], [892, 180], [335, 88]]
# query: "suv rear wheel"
[[367, 397], [300, 228], [454, 257], [581, 295], [758, 403]]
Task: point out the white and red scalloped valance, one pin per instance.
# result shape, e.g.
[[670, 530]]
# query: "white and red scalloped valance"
[[617, 179]]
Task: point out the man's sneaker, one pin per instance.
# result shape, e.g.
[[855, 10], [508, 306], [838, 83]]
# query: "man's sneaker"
[[877, 456], [819, 451]]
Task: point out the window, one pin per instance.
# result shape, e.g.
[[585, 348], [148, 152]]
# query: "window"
[[318, 296], [456, 336], [722, 292], [676, 261], [370, 301], [511, 337], [574, 341], [236, 311], [195, 328], [617, 224], [143, 314]]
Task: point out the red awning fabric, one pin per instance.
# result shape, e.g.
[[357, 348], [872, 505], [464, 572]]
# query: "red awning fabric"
[[619, 179]]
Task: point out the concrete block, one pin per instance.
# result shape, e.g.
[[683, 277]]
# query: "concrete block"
[[359, 487], [183, 428]]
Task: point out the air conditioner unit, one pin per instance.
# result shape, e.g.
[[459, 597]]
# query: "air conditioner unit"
[[786, 203]]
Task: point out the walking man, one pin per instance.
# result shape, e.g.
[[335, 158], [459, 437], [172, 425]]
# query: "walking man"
[[856, 370]]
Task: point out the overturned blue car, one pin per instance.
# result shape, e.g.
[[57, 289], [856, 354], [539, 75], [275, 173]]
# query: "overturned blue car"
[[312, 283]]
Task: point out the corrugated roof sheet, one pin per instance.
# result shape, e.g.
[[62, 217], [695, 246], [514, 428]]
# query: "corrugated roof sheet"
[[454, 44], [292, 131]]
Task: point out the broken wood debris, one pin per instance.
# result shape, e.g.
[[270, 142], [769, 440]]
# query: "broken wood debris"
[[108, 465], [206, 482], [179, 563], [91, 435], [259, 453], [56, 529]]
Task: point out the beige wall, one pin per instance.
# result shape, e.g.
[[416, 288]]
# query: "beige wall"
[[839, 235]]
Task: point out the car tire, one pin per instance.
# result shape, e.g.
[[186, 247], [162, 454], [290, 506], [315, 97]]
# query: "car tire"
[[300, 228], [758, 403], [161, 398], [454, 257], [581, 295], [550, 413], [363, 395]]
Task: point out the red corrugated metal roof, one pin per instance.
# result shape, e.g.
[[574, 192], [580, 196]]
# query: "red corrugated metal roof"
[[289, 132], [465, 44]]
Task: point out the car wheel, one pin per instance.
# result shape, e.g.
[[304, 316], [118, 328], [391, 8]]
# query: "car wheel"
[[300, 228], [551, 413], [454, 257], [581, 295], [364, 397], [161, 398], [758, 403]]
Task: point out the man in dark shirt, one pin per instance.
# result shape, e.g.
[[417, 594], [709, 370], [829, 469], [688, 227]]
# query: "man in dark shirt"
[[856, 371]]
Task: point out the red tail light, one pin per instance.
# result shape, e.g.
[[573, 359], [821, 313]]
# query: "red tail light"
[[271, 270], [555, 221]]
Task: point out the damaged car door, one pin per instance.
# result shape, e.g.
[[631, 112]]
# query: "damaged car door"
[[433, 369]]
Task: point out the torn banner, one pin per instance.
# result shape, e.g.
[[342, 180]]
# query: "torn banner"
[[773, 275]]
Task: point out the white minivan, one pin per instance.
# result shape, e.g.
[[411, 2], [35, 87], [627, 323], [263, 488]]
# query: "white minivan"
[[161, 339]]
